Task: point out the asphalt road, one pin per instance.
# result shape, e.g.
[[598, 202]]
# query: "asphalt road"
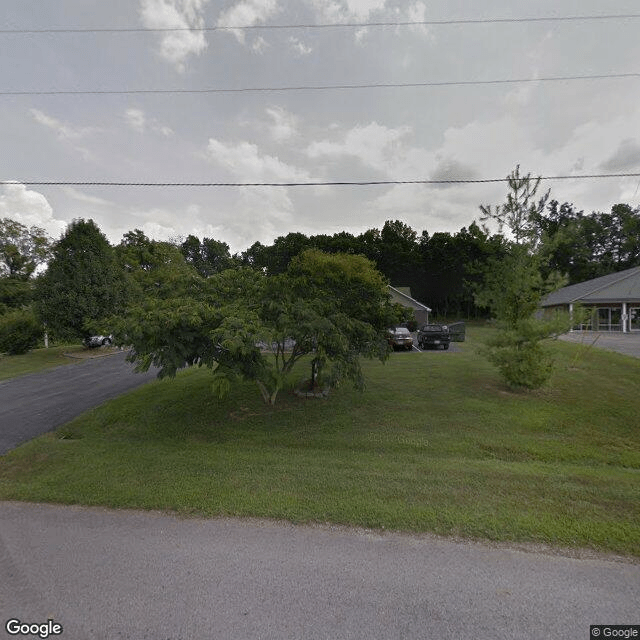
[[36, 403], [106, 574]]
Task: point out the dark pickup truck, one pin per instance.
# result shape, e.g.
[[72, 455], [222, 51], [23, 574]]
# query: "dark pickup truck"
[[434, 335]]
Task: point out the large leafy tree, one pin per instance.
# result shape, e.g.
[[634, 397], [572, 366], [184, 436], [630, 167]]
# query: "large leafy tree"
[[15, 293], [621, 248], [207, 256], [246, 324], [275, 258], [83, 283], [564, 242], [346, 305], [452, 266], [585, 246], [154, 268], [398, 252], [341, 242], [22, 249]]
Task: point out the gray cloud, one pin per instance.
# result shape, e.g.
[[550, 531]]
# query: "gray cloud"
[[452, 170], [626, 157]]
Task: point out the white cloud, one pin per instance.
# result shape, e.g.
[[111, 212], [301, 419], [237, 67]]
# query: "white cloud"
[[248, 13], [30, 208], [360, 35], [259, 45], [374, 145], [258, 211], [138, 121], [344, 10], [284, 124], [245, 162], [161, 224], [299, 47], [364, 8], [64, 130], [156, 231], [417, 12], [256, 214], [177, 46], [85, 197]]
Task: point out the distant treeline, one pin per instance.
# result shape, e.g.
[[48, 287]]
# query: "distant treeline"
[[444, 269]]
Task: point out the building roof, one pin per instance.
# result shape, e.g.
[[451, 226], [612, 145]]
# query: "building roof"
[[405, 299], [623, 286]]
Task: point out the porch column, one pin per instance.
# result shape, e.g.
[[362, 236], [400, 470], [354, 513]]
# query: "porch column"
[[625, 319], [571, 315]]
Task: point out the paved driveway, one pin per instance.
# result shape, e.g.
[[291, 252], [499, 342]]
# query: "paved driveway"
[[109, 575], [625, 343], [36, 403]]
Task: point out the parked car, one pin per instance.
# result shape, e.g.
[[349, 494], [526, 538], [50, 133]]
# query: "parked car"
[[400, 338], [97, 341], [434, 335]]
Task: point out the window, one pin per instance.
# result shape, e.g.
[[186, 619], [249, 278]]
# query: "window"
[[608, 319]]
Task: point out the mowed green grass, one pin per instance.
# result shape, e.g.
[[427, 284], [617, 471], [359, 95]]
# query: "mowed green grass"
[[436, 443], [36, 360]]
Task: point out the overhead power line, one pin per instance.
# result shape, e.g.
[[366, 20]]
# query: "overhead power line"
[[325, 87], [331, 25], [344, 183]]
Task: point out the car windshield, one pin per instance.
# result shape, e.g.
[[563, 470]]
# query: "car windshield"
[[403, 330], [433, 327]]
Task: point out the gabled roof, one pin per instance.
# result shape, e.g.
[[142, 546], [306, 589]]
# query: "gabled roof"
[[399, 296], [623, 286]]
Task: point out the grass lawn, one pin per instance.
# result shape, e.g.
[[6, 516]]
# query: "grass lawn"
[[36, 360], [436, 443]]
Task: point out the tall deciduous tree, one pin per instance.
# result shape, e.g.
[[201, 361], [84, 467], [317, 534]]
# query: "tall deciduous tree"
[[208, 256], [83, 283], [348, 297], [15, 293], [250, 325], [22, 249], [585, 246], [154, 268]]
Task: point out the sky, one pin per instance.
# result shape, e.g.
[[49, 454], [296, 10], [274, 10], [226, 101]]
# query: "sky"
[[403, 133]]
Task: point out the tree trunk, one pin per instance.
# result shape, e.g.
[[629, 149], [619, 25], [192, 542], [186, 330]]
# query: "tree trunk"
[[268, 397], [314, 373]]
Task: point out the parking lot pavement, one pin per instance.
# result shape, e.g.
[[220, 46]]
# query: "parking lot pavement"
[[626, 343]]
